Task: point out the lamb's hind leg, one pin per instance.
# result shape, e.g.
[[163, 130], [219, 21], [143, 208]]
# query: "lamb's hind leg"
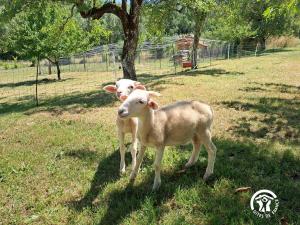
[[195, 154], [211, 150], [122, 151]]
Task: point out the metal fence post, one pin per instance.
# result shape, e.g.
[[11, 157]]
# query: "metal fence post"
[[209, 55], [84, 66], [174, 58], [160, 62], [139, 56], [106, 62], [114, 63], [228, 51], [36, 82], [256, 49]]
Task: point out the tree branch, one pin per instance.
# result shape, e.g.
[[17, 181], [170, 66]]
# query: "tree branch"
[[68, 18], [140, 2], [97, 13], [52, 61], [124, 5]]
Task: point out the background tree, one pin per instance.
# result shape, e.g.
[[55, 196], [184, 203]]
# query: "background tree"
[[163, 19], [114, 25], [291, 9], [4, 41], [45, 32], [243, 20], [199, 9], [160, 13], [129, 18]]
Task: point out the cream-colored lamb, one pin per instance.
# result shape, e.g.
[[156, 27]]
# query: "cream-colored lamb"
[[122, 89], [174, 124]]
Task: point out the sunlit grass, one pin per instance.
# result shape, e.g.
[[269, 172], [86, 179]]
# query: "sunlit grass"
[[59, 162]]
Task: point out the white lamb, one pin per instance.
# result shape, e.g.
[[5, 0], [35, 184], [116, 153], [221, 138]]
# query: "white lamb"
[[122, 89], [173, 124]]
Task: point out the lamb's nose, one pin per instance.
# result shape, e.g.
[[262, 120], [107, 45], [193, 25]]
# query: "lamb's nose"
[[118, 93], [120, 111]]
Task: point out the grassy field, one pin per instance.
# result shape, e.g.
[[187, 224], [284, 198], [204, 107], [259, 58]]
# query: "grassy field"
[[59, 162]]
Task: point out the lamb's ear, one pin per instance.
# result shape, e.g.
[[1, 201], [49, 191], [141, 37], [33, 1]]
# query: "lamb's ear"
[[138, 85], [154, 94], [152, 104], [110, 88]]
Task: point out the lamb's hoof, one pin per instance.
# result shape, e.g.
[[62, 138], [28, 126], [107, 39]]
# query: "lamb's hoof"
[[130, 183], [132, 177], [188, 165], [156, 186], [206, 176], [122, 172]]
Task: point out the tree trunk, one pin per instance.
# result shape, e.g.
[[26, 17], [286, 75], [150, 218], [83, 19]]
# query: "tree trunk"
[[194, 51], [49, 68], [129, 53], [33, 63], [58, 70], [262, 43], [199, 20], [130, 24]]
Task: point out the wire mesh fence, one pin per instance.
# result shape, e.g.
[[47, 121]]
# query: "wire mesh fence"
[[86, 72]]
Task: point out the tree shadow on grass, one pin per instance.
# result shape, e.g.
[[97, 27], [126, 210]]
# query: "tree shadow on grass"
[[154, 81], [153, 85], [122, 202], [210, 72], [146, 78], [32, 82], [275, 87], [279, 119], [259, 167], [277, 50], [57, 105], [253, 89], [82, 154], [238, 164], [107, 171]]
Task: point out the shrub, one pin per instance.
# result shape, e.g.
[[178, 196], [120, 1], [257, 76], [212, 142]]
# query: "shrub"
[[6, 66], [282, 42]]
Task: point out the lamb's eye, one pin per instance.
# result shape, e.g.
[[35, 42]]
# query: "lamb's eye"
[[141, 101], [130, 87]]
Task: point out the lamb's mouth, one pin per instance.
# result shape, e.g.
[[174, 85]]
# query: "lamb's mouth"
[[123, 115]]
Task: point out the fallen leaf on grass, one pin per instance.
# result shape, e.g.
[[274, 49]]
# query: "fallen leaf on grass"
[[95, 201], [181, 171], [242, 189]]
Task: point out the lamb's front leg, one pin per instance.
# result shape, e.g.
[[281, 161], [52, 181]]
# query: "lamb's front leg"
[[134, 147], [122, 151], [139, 160], [157, 167]]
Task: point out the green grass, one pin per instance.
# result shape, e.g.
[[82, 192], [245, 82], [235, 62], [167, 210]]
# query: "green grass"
[[59, 162]]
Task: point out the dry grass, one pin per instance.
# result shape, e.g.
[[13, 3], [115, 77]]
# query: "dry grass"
[[282, 42]]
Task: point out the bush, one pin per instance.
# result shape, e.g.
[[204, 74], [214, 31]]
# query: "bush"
[[6, 66], [282, 42]]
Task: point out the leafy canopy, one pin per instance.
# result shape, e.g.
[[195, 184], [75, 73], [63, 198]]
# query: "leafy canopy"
[[49, 30]]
